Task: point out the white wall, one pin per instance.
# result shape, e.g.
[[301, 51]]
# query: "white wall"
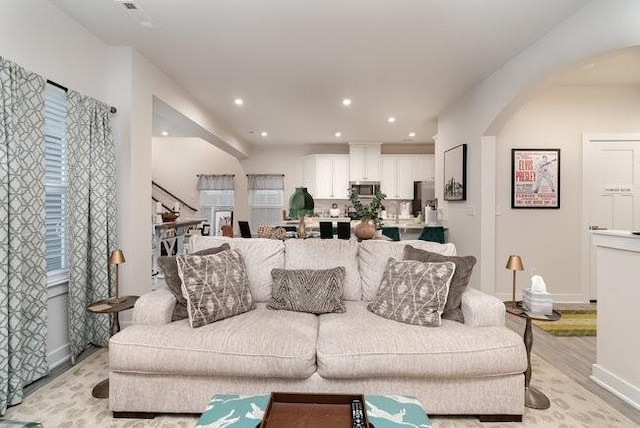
[[39, 37], [599, 26], [551, 240]]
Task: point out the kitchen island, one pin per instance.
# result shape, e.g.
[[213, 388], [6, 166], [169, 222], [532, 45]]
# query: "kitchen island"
[[409, 228], [617, 260]]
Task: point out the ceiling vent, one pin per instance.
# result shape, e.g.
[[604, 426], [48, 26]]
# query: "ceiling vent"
[[138, 15]]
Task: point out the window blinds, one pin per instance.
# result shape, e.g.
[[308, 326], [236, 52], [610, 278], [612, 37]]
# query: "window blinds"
[[55, 152], [266, 199]]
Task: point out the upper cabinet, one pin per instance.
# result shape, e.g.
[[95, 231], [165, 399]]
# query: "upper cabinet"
[[364, 161], [397, 176], [327, 176], [423, 168]]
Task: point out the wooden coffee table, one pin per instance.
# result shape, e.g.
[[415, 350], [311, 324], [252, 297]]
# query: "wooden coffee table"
[[383, 411], [533, 398]]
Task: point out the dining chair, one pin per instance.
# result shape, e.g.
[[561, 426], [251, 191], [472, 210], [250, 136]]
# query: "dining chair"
[[344, 230], [433, 234], [326, 230], [245, 230], [391, 232]]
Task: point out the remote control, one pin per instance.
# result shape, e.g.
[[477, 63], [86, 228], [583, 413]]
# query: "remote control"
[[357, 414]]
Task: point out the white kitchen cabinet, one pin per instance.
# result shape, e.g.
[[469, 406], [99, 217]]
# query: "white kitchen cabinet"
[[327, 176], [364, 161], [424, 168], [397, 176]]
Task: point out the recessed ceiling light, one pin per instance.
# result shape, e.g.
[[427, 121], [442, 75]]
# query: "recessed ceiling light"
[[164, 133], [412, 134], [238, 101], [264, 134], [338, 134], [391, 119], [346, 102]]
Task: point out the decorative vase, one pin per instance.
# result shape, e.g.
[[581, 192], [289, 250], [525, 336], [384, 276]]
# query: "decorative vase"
[[365, 229], [301, 203]]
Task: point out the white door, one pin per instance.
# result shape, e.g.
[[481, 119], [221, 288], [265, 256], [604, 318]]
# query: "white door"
[[389, 184], [405, 178], [611, 171], [324, 178]]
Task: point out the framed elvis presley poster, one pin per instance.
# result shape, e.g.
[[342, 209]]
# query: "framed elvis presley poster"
[[535, 178]]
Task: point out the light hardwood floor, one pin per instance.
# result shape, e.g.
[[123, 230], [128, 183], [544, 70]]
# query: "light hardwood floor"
[[574, 357]]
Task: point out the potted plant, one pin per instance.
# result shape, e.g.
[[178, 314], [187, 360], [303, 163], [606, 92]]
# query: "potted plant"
[[369, 214]]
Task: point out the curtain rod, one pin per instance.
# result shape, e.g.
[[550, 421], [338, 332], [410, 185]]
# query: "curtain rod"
[[64, 88], [265, 175], [215, 175]]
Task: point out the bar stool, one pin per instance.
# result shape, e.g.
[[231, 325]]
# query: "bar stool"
[[433, 234]]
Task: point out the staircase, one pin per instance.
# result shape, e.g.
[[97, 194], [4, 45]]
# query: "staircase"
[[168, 200]]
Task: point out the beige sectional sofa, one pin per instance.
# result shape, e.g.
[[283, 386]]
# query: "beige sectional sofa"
[[472, 368]]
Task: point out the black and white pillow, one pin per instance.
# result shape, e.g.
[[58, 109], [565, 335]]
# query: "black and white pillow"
[[316, 291], [413, 292], [169, 266], [215, 286]]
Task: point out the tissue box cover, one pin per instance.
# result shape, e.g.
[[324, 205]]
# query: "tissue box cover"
[[539, 303]]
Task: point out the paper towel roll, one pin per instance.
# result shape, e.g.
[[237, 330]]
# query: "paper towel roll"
[[431, 215]]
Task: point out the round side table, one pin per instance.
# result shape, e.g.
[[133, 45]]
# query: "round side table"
[[533, 398], [104, 306]]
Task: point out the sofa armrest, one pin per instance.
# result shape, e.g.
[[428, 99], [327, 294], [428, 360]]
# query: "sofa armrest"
[[154, 308], [481, 309]]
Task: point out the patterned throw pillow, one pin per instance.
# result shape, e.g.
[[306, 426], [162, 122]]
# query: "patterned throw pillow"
[[216, 286], [413, 292], [307, 290], [169, 266], [459, 282]]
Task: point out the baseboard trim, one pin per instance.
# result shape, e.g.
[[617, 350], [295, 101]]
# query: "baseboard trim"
[[59, 356], [557, 298], [617, 386]]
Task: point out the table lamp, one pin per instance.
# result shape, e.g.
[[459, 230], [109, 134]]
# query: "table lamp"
[[514, 264], [116, 258], [301, 204]]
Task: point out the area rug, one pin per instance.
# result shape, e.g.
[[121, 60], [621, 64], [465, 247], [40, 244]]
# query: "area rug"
[[572, 323], [67, 402]]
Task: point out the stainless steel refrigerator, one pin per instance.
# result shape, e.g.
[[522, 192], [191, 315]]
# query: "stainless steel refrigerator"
[[424, 193]]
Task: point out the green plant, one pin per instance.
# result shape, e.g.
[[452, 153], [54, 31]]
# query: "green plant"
[[371, 211]]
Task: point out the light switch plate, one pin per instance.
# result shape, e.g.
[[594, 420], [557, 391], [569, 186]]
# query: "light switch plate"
[[471, 210]]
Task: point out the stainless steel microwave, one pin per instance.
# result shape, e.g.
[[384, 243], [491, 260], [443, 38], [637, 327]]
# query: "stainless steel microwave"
[[366, 190]]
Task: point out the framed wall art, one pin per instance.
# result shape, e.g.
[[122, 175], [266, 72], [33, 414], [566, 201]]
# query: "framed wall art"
[[535, 178], [455, 174]]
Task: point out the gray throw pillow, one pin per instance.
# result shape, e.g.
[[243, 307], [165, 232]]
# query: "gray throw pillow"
[[308, 290], [413, 292], [169, 266], [216, 286], [459, 282]]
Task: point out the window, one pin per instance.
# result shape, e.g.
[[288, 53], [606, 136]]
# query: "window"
[[217, 198], [55, 153], [266, 199]]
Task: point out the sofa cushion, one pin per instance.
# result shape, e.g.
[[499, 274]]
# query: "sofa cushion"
[[169, 266], [215, 286], [413, 292], [316, 291], [359, 344], [259, 343], [326, 254], [260, 255], [374, 254], [459, 282]]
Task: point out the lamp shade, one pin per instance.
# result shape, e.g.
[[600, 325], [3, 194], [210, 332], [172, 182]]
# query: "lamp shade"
[[301, 203], [514, 263], [116, 258]]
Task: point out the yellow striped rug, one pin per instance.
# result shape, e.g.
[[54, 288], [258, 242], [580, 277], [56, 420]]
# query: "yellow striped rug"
[[572, 323]]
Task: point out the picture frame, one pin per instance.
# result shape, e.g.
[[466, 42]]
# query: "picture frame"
[[222, 218], [535, 178], [455, 174]]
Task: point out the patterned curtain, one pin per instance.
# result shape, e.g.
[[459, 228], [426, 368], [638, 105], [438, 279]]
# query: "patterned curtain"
[[92, 218], [23, 268], [215, 182]]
